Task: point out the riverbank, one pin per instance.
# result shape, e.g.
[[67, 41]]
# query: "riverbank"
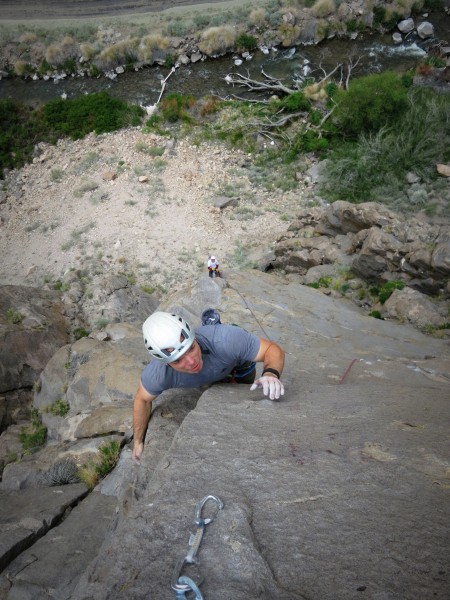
[[183, 34]]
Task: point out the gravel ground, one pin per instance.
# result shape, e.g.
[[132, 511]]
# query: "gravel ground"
[[113, 197]]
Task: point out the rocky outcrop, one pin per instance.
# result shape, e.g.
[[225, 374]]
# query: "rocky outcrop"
[[32, 328], [355, 250]]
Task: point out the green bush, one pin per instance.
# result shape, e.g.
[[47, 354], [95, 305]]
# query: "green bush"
[[19, 132], [375, 314], [246, 42], [370, 103], [21, 128], [174, 107], [324, 281], [375, 167], [59, 408], [379, 15], [295, 102], [80, 332], [34, 435], [385, 291], [95, 112]]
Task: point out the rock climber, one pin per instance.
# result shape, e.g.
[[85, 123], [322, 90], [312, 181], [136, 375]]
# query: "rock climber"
[[213, 266], [184, 358]]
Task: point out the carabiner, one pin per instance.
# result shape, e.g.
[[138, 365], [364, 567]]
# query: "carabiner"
[[187, 586], [180, 583], [196, 538], [198, 510], [176, 583]]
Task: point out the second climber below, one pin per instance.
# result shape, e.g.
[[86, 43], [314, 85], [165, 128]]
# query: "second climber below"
[[213, 267]]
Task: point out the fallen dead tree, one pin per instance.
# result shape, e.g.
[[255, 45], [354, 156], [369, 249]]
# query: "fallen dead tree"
[[270, 126]]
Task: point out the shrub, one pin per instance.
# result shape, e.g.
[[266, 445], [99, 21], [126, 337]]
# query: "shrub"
[[375, 314], [371, 102], [209, 105], [123, 52], [59, 408], [92, 472], [288, 33], [324, 281], [20, 130], [217, 40], [58, 54], [28, 37], [173, 107], [295, 102], [87, 51], [375, 168], [80, 332], [246, 42], [13, 316], [257, 17], [178, 28], [385, 291], [94, 112], [34, 435], [323, 8], [201, 20], [149, 44], [148, 289], [63, 472], [379, 15], [21, 68]]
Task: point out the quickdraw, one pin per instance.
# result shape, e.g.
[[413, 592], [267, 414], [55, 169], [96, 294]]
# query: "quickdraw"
[[181, 583]]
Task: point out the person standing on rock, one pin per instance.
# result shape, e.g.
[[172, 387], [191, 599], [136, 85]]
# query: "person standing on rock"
[[185, 358]]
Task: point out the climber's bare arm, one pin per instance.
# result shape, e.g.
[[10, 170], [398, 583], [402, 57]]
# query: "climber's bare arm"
[[142, 410]]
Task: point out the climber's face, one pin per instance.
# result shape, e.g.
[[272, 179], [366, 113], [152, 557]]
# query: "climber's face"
[[190, 362]]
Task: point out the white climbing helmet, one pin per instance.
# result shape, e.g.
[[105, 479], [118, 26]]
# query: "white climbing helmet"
[[167, 336]]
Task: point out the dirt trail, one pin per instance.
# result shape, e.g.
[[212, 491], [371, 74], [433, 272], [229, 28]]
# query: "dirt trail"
[[55, 9]]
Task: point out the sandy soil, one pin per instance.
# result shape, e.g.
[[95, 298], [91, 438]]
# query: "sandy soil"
[[155, 219]]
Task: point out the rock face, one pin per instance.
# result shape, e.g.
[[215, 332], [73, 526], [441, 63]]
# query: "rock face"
[[324, 492], [315, 486], [352, 246], [32, 328]]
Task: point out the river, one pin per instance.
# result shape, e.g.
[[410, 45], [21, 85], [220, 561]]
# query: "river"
[[377, 52]]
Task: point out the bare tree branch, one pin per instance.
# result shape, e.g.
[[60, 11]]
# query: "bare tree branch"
[[350, 66]]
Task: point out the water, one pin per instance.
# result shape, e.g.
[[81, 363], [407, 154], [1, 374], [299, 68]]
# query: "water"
[[377, 53]]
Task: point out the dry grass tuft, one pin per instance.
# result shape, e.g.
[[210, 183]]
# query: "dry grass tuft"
[[217, 40], [323, 8]]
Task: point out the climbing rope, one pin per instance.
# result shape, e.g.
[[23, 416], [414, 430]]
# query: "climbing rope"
[[182, 584], [249, 308]]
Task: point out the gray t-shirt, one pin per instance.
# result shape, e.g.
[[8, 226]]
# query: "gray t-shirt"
[[224, 347]]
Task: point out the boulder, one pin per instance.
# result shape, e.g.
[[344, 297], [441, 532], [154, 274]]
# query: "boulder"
[[97, 380], [414, 307], [406, 25], [425, 30]]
